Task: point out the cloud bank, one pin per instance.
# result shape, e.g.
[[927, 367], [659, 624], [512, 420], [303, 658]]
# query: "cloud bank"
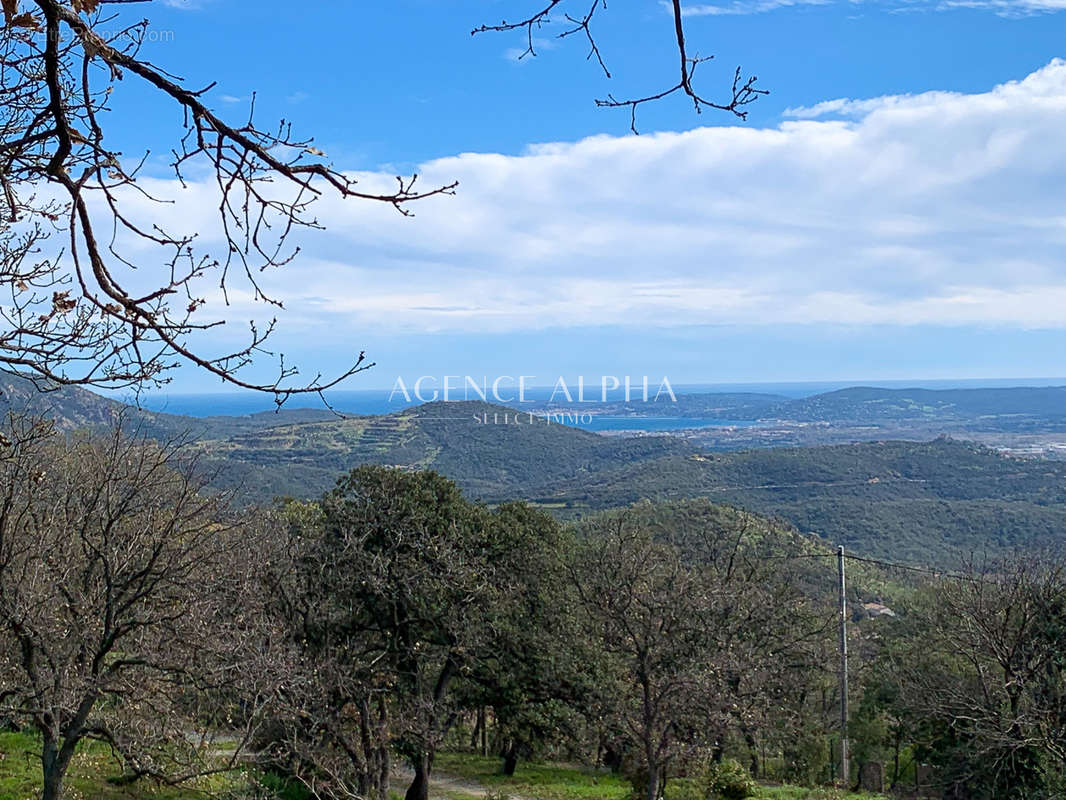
[[931, 209]]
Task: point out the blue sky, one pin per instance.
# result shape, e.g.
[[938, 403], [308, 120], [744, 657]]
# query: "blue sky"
[[895, 208]]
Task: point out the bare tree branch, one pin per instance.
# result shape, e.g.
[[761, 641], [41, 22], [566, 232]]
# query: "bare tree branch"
[[743, 91], [122, 308]]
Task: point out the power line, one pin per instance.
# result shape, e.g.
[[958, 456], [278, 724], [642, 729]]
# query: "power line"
[[936, 573]]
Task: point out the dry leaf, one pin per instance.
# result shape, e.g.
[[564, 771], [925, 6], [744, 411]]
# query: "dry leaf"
[[26, 20], [11, 10], [62, 303]]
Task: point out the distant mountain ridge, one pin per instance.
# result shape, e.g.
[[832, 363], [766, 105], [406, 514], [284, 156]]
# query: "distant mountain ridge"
[[858, 404], [493, 452], [75, 408], [876, 404]]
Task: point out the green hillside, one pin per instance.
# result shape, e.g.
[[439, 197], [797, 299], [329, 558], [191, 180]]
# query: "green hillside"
[[918, 501], [494, 453], [921, 502]]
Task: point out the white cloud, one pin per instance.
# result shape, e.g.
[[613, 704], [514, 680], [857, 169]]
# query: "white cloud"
[[740, 7], [846, 107], [1007, 8], [522, 55], [936, 208], [1003, 8]]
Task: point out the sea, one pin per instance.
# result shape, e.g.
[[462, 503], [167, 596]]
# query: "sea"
[[384, 401]]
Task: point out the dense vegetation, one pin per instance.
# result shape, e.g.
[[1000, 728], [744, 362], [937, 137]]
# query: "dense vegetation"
[[924, 502], [314, 648], [928, 502]]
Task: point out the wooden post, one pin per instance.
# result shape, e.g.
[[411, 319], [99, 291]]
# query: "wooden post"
[[843, 672]]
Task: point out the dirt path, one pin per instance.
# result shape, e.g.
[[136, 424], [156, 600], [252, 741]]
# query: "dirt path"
[[443, 786]]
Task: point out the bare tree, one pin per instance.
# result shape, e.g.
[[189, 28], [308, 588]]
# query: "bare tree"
[[124, 616], [100, 292], [987, 675], [703, 629], [648, 609]]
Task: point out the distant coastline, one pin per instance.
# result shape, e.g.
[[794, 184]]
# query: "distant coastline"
[[376, 401]]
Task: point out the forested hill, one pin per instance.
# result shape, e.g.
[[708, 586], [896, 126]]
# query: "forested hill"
[[69, 407], [928, 502], [494, 453], [923, 502]]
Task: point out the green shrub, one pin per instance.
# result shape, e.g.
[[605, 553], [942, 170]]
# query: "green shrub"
[[729, 780], [684, 789]]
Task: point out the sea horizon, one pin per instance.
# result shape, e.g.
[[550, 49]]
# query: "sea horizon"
[[386, 400]]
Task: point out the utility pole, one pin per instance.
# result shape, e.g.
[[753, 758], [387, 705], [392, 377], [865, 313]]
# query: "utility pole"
[[843, 672]]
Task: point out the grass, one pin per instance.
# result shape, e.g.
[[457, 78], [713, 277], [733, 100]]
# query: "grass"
[[93, 765], [544, 781], [559, 782], [801, 793], [20, 779]]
